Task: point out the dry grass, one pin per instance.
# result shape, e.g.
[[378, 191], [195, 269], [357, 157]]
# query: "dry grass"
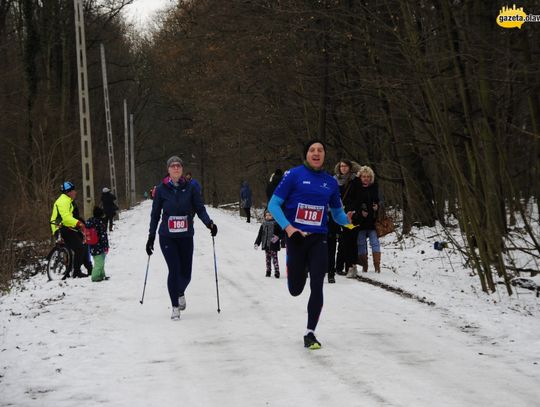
[[25, 237]]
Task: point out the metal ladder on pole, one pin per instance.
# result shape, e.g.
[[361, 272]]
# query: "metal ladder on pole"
[[132, 160], [84, 112], [108, 121], [126, 152]]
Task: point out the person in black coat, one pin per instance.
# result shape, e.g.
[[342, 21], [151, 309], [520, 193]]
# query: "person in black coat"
[[272, 184], [366, 208], [109, 207], [269, 238], [245, 200], [347, 251], [334, 231]]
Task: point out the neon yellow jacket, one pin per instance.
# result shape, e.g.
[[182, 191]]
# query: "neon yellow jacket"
[[63, 213]]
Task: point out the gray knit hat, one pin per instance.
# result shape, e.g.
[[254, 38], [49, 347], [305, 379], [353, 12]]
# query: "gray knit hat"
[[174, 159]]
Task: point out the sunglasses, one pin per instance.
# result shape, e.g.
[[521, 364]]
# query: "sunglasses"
[[175, 166]]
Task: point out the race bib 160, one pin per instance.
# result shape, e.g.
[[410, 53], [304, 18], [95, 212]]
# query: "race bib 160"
[[178, 224]]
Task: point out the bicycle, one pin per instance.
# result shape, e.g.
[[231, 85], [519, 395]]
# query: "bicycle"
[[59, 261]]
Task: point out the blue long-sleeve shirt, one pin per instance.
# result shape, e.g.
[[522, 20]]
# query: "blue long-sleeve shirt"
[[307, 195]]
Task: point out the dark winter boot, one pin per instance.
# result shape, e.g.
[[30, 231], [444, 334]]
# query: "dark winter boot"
[[331, 275], [377, 261], [79, 274], [268, 274], [363, 261], [276, 274], [341, 269]]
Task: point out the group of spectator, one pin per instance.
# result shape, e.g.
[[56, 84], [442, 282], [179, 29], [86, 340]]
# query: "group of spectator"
[[360, 195]]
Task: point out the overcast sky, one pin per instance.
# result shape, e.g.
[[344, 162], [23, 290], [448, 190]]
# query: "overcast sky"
[[141, 11]]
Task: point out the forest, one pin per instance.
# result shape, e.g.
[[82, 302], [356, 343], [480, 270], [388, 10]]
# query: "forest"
[[442, 103]]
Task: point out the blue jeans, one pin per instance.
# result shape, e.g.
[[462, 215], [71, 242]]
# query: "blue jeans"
[[363, 237]]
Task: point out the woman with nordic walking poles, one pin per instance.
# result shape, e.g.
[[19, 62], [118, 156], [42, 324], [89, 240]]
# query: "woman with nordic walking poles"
[[307, 192], [175, 202]]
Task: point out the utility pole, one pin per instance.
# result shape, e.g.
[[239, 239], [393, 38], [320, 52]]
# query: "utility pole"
[[84, 112], [132, 167], [126, 151], [108, 121]]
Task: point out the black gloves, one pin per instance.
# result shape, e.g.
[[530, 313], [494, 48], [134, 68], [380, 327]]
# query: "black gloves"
[[297, 237], [355, 219], [213, 229], [150, 245]]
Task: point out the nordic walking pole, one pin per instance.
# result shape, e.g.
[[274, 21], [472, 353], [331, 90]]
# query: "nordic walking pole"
[[215, 271], [145, 277]]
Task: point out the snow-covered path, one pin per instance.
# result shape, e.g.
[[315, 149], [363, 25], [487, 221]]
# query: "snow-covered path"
[[86, 344]]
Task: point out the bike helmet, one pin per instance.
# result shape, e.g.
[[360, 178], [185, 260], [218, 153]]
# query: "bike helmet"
[[67, 186]]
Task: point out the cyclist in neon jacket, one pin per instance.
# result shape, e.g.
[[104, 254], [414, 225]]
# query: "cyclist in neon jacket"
[[64, 223]]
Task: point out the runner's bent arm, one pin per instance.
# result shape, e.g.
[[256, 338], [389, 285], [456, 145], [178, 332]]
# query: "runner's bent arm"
[[339, 216], [274, 206]]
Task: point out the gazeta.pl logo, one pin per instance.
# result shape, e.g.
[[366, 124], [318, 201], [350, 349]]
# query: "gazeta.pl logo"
[[515, 17]]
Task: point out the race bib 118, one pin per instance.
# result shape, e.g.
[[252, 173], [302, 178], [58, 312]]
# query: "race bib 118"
[[309, 214]]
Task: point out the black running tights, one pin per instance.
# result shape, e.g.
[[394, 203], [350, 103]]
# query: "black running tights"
[[309, 255]]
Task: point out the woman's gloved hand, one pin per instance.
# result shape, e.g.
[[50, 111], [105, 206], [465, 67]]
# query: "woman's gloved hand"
[[150, 245]]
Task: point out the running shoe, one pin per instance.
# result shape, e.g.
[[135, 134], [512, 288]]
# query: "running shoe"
[[175, 316], [182, 302], [311, 342]]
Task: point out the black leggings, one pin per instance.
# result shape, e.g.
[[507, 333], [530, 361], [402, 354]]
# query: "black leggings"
[[74, 242], [110, 219], [308, 256], [178, 253], [332, 245], [247, 211], [347, 252]]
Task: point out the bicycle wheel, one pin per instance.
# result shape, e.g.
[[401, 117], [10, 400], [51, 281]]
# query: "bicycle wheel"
[[59, 264]]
